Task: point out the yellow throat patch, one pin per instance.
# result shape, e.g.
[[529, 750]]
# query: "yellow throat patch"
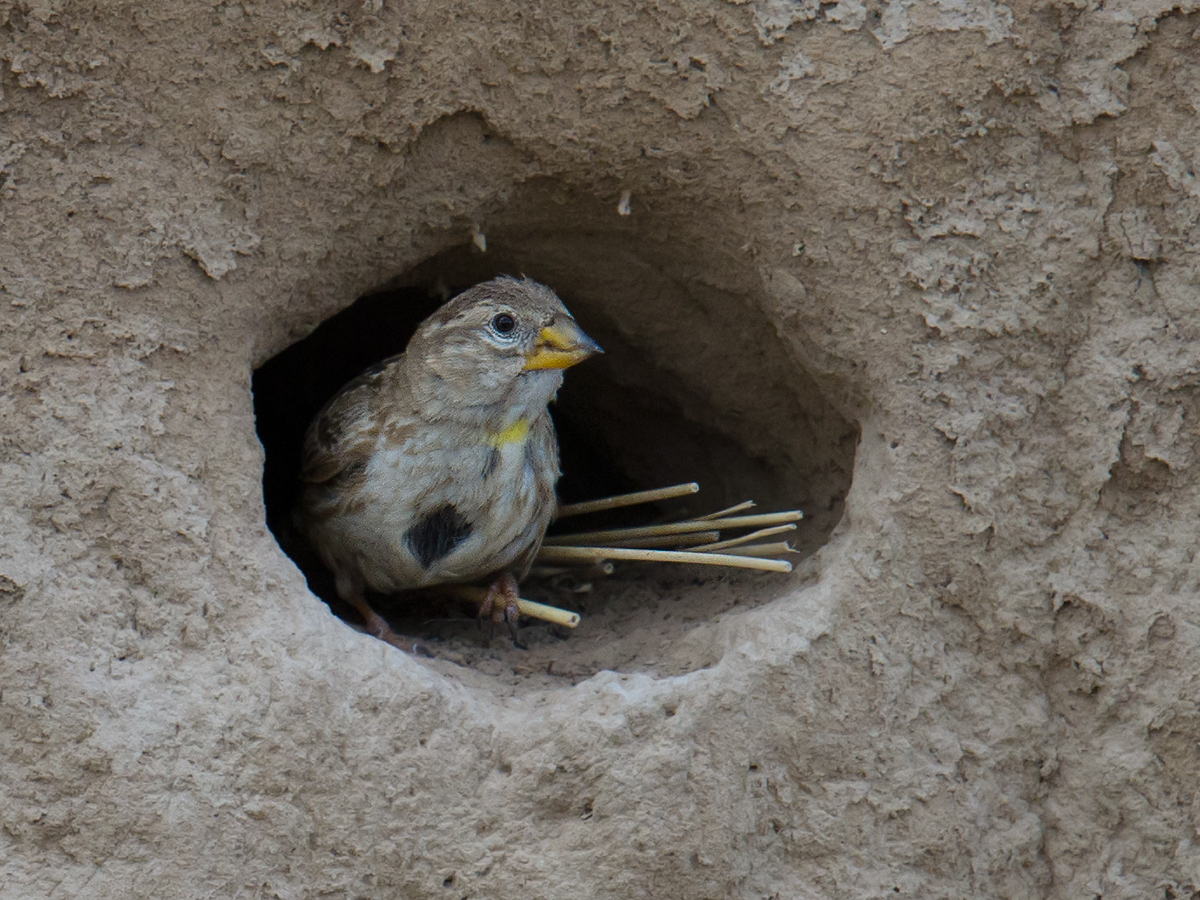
[[513, 434]]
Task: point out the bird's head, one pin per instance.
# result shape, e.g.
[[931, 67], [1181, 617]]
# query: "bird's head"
[[502, 335]]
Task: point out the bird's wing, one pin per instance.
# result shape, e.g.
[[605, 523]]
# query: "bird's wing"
[[344, 432]]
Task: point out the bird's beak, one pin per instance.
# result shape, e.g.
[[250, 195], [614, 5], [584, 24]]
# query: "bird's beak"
[[560, 346]]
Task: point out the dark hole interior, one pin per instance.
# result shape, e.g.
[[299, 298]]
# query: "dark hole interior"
[[695, 385]]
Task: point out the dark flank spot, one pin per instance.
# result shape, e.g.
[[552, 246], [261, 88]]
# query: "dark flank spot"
[[493, 460], [437, 534]]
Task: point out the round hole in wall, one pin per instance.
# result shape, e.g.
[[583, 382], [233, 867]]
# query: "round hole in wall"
[[696, 384]]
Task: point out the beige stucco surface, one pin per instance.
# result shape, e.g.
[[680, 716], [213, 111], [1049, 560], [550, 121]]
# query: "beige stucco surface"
[[970, 228]]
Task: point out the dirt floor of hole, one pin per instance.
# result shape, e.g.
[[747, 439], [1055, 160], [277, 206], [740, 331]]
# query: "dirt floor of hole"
[[655, 619]]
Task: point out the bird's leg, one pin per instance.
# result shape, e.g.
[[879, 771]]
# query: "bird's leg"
[[500, 604], [352, 593]]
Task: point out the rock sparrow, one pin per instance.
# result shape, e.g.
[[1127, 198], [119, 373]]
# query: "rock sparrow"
[[438, 465]]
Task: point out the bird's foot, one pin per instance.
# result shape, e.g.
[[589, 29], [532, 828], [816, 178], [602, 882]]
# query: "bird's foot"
[[378, 627], [500, 605]]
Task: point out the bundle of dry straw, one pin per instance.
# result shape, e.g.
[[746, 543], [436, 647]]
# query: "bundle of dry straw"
[[694, 541]]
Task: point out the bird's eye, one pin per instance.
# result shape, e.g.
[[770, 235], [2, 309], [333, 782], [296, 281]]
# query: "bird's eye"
[[504, 323]]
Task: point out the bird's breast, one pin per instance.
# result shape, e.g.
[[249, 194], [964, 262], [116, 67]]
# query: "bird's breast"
[[510, 483], [449, 504]]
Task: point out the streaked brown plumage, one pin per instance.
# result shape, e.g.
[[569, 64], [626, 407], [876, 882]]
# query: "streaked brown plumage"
[[439, 465]]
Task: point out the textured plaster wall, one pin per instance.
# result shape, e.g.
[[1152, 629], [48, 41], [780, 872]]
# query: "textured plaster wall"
[[973, 224]]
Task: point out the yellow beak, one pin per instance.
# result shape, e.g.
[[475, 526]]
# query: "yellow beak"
[[560, 346]]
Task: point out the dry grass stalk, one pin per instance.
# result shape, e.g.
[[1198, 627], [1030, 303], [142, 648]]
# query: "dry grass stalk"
[[529, 608], [591, 538], [558, 553], [745, 538], [621, 500], [779, 548], [662, 541], [548, 613], [732, 510]]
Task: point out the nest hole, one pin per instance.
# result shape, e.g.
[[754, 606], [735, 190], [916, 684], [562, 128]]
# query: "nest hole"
[[695, 385]]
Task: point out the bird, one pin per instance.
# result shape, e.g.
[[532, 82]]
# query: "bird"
[[439, 465]]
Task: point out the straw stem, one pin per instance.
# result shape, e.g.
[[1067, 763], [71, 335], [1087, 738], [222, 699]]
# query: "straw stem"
[[634, 499], [664, 540], [591, 538], [766, 550], [558, 553], [548, 613], [746, 538], [737, 508], [529, 608]]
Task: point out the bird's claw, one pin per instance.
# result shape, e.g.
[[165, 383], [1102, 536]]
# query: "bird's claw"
[[500, 604], [378, 627]]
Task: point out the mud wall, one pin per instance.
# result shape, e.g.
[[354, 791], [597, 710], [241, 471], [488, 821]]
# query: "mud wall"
[[961, 235]]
